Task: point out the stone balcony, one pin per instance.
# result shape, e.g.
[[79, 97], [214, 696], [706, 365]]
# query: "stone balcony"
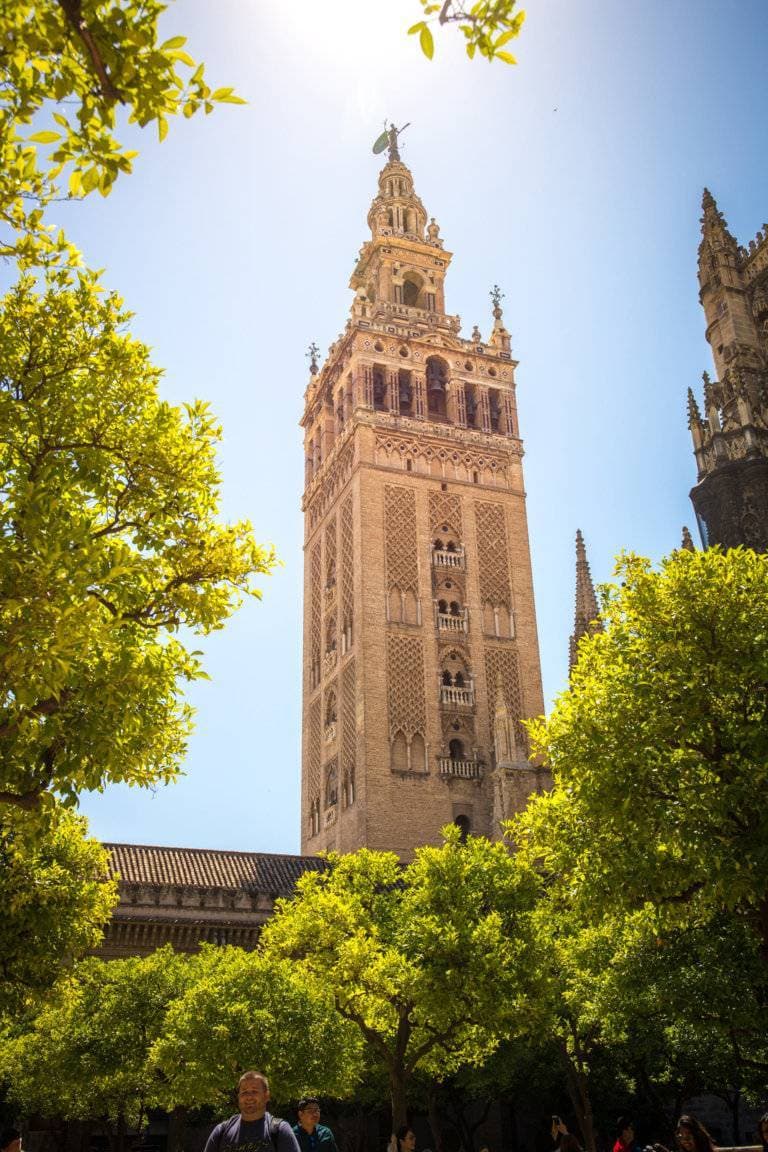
[[456, 625], [463, 697], [444, 559], [461, 769]]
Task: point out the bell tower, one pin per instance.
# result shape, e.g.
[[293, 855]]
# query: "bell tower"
[[419, 621]]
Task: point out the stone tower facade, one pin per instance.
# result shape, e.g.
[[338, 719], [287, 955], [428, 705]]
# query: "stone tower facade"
[[730, 440], [420, 640]]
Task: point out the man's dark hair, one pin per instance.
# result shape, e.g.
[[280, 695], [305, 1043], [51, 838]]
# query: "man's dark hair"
[[624, 1122], [8, 1136], [305, 1100]]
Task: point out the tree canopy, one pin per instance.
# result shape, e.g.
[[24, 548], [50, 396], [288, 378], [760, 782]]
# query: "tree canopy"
[[109, 545], [55, 898], [244, 1010], [428, 961], [659, 749], [69, 70]]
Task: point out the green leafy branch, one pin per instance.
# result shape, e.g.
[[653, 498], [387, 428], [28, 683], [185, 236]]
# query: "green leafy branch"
[[487, 26]]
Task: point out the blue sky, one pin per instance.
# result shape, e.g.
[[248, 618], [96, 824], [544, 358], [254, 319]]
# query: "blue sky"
[[573, 180]]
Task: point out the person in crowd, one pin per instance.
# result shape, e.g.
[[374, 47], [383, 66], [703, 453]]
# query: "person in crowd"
[[252, 1129], [404, 1139], [692, 1136], [564, 1140], [10, 1141], [312, 1136], [762, 1131], [625, 1135]]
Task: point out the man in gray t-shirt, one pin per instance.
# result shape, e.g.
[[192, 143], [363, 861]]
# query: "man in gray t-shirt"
[[252, 1129]]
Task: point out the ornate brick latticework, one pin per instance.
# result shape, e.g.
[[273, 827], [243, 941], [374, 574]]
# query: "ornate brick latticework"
[[405, 686], [445, 509], [316, 616], [330, 553], [502, 663], [347, 572], [414, 490], [313, 752], [400, 536], [730, 439], [492, 553], [348, 720]]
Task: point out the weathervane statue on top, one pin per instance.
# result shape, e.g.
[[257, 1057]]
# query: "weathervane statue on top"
[[388, 139]]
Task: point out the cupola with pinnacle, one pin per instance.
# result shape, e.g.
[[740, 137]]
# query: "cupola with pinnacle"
[[404, 263]]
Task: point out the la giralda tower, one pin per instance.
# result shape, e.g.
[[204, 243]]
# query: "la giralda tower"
[[420, 646]]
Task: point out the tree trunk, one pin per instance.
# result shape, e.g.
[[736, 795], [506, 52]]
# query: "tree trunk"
[[120, 1132], [177, 1121], [397, 1091], [578, 1092], [433, 1113]]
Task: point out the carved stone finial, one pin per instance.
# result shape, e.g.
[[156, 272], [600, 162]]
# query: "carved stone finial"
[[477, 336], [687, 542], [312, 354]]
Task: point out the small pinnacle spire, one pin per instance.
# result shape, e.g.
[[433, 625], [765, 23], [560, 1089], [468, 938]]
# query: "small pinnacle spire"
[[586, 619], [694, 415], [687, 543], [312, 354], [496, 296], [708, 201]]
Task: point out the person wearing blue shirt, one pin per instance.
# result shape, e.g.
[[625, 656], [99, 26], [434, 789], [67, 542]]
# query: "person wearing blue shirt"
[[312, 1136]]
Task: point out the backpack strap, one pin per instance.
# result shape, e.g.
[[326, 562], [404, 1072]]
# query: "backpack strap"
[[274, 1130]]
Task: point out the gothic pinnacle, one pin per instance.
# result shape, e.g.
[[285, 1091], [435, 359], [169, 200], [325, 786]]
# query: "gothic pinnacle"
[[312, 354], [694, 415], [586, 617], [687, 543]]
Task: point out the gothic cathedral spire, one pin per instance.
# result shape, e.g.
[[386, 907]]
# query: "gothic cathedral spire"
[[418, 600], [730, 440], [586, 618]]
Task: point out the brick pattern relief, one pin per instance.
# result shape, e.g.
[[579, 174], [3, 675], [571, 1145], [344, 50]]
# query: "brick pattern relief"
[[330, 553], [502, 662], [315, 615], [492, 554], [445, 508], [347, 568], [400, 538], [405, 686], [348, 719], [313, 751]]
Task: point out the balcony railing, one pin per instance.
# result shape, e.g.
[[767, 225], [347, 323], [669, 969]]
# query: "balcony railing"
[[447, 622], [465, 769], [445, 559], [462, 696]]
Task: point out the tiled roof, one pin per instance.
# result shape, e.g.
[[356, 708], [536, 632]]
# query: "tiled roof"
[[209, 868]]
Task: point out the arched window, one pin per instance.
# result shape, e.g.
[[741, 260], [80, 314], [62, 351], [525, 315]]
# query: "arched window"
[[462, 823], [399, 752], [330, 708], [331, 785], [459, 679], [418, 753], [455, 608], [442, 606], [437, 383], [410, 294], [456, 750], [495, 406], [438, 545], [447, 681], [379, 387], [405, 391]]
